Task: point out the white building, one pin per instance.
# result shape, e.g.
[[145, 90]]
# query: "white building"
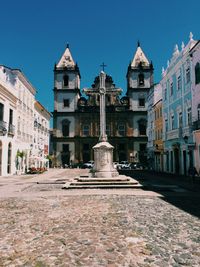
[[8, 114], [40, 146], [20, 139], [25, 120]]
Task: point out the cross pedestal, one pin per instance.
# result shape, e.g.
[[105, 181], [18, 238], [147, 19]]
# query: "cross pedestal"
[[103, 151], [103, 161]]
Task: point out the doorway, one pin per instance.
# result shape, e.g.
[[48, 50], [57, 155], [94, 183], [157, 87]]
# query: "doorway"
[[176, 160]]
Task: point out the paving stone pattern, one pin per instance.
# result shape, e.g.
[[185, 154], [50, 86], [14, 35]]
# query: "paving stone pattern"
[[97, 230]]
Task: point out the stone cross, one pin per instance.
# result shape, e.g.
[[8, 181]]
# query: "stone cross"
[[102, 92], [103, 66]]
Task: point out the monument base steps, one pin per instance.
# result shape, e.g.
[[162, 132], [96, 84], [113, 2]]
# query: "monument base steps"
[[122, 182]]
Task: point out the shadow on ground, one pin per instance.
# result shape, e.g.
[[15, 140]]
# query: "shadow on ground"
[[178, 191]]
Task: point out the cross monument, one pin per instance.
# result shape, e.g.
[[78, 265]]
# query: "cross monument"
[[103, 151], [102, 92]]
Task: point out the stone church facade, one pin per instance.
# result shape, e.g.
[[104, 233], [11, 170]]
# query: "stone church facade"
[[76, 112]]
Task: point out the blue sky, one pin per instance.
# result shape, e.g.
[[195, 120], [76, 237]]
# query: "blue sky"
[[34, 35]]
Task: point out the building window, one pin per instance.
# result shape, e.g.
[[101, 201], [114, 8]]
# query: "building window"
[[188, 75], [66, 102], [165, 93], [171, 88], [179, 83], [141, 79], [166, 125], [10, 116], [1, 111], [9, 158], [189, 116], [86, 130], [180, 120], [65, 80], [141, 102], [142, 127], [197, 73], [65, 127], [121, 129], [172, 122]]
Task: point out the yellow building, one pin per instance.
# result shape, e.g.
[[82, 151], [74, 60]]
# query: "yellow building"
[[158, 142]]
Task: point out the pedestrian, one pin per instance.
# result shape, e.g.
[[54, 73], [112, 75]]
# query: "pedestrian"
[[192, 173]]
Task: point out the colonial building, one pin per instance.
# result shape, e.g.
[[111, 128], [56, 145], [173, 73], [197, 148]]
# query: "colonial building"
[[150, 129], [25, 110], [8, 114], [17, 128], [158, 128], [195, 55], [40, 146], [177, 111], [76, 117]]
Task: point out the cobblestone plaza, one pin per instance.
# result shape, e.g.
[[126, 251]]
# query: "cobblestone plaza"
[[42, 225]]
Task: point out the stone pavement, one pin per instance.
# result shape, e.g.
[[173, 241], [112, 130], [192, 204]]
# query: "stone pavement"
[[42, 225]]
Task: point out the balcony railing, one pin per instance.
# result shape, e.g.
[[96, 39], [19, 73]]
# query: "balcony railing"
[[11, 129], [3, 127], [173, 134]]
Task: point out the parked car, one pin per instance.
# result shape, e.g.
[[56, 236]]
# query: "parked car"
[[137, 166], [124, 165], [88, 164]]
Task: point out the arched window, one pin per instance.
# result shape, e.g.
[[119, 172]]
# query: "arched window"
[[142, 127], [9, 158], [141, 79], [197, 73], [65, 80], [65, 127]]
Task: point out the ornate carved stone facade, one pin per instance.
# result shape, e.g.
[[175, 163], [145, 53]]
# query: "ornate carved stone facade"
[[76, 113]]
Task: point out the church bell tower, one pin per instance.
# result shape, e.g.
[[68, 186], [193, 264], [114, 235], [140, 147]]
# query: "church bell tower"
[[66, 95], [139, 81]]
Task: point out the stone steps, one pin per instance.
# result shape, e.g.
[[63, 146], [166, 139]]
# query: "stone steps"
[[103, 186], [103, 183]]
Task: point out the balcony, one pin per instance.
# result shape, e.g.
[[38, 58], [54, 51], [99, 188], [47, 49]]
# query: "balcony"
[[173, 134], [11, 130], [3, 128]]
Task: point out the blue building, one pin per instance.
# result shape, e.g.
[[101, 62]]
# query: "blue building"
[[177, 111]]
